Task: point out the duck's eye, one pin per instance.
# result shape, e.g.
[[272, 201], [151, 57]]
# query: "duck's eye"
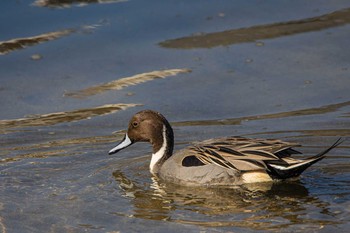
[[135, 124]]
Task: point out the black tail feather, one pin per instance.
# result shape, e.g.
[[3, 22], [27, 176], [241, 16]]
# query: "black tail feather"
[[337, 143], [285, 172]]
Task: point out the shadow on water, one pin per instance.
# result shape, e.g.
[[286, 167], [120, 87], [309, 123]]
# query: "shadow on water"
[[261, 32], [237, 121], [336, 131], [269, 206]]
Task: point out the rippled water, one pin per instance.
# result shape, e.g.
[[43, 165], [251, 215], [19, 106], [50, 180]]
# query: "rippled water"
[[74, 72]]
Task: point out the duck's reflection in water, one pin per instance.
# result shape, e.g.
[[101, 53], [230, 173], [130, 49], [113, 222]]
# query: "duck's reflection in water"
[[257, 206]]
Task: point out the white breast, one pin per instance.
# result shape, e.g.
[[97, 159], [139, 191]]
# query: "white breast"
[[159, 154]]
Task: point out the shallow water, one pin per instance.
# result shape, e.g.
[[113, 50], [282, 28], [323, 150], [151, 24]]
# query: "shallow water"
[[73, 72]]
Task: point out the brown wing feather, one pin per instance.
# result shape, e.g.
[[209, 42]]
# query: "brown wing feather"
[[243, 154]]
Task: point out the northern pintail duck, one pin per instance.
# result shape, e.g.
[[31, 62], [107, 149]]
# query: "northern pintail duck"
[[222, 161]]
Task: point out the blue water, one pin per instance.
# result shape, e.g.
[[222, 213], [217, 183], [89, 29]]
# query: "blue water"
[[291, 83]]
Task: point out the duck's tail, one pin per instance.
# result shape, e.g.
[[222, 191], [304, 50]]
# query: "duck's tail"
[[295, 169]]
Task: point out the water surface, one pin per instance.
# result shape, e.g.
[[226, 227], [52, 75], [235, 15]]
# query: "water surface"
[[74, 72]]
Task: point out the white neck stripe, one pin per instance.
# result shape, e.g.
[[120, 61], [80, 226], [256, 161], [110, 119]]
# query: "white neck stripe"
[[159, 154]]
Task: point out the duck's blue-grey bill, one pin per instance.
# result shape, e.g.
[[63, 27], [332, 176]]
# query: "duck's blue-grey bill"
[[123, 144]]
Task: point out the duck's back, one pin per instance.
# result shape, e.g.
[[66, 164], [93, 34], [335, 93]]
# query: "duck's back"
[[236, 161], [224, 161]]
